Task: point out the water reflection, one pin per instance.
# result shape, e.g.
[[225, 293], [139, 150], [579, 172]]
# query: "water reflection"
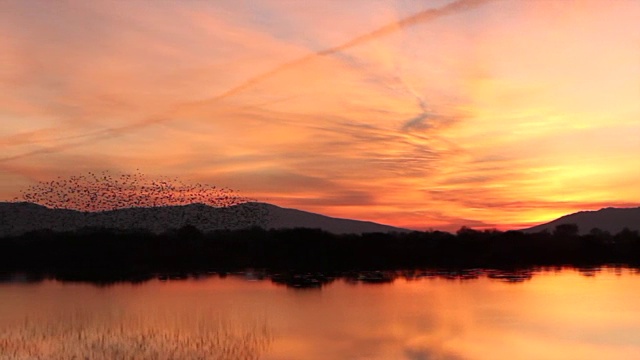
[[551, 313], [318, 279]]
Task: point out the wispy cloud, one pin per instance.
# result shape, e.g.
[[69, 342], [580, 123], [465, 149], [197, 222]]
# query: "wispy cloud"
[[490, 112], [418, 18]]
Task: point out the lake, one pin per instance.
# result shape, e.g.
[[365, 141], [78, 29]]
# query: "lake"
[[553, 314]]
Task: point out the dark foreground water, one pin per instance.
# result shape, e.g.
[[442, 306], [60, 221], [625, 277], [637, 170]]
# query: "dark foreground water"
[[562, 314]]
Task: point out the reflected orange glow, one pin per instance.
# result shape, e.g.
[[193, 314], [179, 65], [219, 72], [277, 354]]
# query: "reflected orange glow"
[[554, 315], [431, 114]]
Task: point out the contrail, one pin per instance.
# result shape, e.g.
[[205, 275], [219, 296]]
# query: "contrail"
[[415, 19], [418, 18], [85, 139]]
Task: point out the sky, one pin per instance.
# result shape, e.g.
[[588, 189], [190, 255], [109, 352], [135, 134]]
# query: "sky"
[[428, 114]]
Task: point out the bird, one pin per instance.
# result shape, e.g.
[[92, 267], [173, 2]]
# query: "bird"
[[102, 197]]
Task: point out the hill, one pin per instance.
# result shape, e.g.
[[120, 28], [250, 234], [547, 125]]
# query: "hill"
[[20, 217], [610, 219]]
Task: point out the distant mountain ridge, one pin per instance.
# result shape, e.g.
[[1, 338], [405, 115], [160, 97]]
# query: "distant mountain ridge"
[[20, 217], [609, 219]]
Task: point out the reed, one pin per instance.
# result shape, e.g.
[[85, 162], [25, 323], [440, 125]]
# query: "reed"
[[82, 336]]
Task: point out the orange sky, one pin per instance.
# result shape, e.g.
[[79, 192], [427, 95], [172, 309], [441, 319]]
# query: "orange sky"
[[425, 114]]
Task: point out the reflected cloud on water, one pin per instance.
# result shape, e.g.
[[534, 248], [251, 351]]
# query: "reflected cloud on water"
[[529, 314]]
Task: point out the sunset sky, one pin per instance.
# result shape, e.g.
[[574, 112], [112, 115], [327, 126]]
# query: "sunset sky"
[[416, 113]]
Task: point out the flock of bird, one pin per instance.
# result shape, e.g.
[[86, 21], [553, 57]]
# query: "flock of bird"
[[138, 201], [104, 191]]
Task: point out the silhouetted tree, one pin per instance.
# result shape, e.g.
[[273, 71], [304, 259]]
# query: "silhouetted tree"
[[101, 254]]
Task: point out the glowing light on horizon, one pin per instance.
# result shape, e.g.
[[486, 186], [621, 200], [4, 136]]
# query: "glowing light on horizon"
[[421, 114]]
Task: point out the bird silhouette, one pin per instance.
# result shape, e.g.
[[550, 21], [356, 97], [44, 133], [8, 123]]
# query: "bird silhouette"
[[136, 200]]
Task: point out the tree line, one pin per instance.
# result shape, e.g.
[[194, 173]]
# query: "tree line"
[[98, 253]]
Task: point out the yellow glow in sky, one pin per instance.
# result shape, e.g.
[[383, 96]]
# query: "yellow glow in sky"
[[431, 114]]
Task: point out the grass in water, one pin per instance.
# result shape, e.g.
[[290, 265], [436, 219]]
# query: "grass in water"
[[83, 336]]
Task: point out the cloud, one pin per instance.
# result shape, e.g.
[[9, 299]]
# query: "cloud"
[[339, 198], [415, 19], [427, 121], [490, 112], [428, 354], [418, 18]]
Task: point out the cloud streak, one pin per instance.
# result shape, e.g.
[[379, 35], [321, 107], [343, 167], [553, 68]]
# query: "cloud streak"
[[413, 20], [491, 112], [387, 29]]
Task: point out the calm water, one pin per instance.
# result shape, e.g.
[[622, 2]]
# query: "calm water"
[[553, 315]]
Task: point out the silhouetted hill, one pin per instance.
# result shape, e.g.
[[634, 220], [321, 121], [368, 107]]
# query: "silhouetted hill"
[[284, 218], [18, 218], [612, 220]]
